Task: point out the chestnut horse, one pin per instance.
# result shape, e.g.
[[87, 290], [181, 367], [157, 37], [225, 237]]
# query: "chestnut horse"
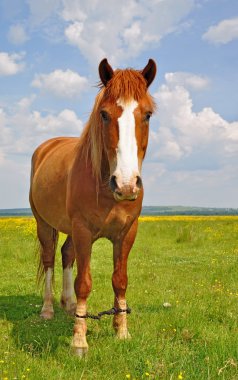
[[90, 187]]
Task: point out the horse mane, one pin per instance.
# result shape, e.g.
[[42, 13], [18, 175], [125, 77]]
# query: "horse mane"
[[91, 140], [125, 84]]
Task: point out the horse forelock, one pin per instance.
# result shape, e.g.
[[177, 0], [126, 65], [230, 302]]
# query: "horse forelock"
[[126, 84]]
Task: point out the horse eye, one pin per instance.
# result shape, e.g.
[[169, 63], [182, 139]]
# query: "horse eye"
[[104, 116], [148, 116]]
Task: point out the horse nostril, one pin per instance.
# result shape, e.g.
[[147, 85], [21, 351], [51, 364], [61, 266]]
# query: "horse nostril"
[[139, 182], [113, 183]]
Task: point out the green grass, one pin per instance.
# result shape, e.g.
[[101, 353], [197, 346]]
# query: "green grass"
[[191, 264]]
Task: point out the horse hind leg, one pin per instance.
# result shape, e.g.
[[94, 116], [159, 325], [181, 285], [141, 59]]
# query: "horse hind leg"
[[48, 238], [68, 257]]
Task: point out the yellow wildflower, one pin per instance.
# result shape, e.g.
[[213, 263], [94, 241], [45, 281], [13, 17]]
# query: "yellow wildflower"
[[128, 376]]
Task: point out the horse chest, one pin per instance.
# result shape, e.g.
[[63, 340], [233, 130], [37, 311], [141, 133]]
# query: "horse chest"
[[109, 223], [116, 224], [103, 216]]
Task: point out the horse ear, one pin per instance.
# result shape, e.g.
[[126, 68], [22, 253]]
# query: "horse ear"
[[149, 72], [105, 71]]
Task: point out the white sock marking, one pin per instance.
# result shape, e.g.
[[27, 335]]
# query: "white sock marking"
[[67, 283], [48, 282], [48, 296]]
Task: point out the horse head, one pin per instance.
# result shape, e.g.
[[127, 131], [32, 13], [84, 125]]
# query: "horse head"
[[125, 109]]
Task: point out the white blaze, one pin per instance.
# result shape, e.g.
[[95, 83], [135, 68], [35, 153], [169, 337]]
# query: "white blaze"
[[127, 160]]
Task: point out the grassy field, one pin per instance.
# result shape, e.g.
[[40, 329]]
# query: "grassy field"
[[189, 262]]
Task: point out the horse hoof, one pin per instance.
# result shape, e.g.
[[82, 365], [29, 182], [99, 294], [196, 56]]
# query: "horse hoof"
[[122, 335], [47, 314], [70, 308], [80, 351]]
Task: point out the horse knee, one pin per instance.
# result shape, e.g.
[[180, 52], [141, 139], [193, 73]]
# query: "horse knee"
[[83, 285], [119, 282], [47, 258]]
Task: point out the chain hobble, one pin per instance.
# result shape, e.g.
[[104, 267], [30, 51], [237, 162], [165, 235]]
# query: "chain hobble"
[[112, 311]]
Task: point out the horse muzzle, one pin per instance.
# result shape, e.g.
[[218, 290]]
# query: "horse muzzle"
[[128, 191]]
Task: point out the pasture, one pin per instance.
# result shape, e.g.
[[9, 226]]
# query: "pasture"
[[190, 263]]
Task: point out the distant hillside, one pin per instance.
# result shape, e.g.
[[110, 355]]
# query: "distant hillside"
[[147, 210], [183, 210], [16, 212]]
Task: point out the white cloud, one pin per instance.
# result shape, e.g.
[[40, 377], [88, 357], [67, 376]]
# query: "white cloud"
[[16, 179], [188, 139], [11, 64], [122, 30], [72, 11], [65, 123], [66, 84], [187, 80], [41, 10], [204, 188], [2, 159], [222, 33], [38, 128], [23, 129], [119, 30], [5, 133], [17, 34], [24, 104]]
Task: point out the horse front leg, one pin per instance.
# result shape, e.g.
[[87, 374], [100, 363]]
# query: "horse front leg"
[[82, 241], [121, 250]]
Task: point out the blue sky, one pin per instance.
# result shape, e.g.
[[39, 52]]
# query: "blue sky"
[[49, 56]]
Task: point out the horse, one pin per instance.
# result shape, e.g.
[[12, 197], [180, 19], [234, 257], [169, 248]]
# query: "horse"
[[90, 187]]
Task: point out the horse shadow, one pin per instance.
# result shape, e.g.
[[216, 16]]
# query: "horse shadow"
[[37, 336], [40, 337], [29, 331]]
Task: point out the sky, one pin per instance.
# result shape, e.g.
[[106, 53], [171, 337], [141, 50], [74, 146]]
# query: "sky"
[[49, 56]]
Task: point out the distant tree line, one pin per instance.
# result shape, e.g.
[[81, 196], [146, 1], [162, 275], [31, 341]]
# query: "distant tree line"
[[147, 210]]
